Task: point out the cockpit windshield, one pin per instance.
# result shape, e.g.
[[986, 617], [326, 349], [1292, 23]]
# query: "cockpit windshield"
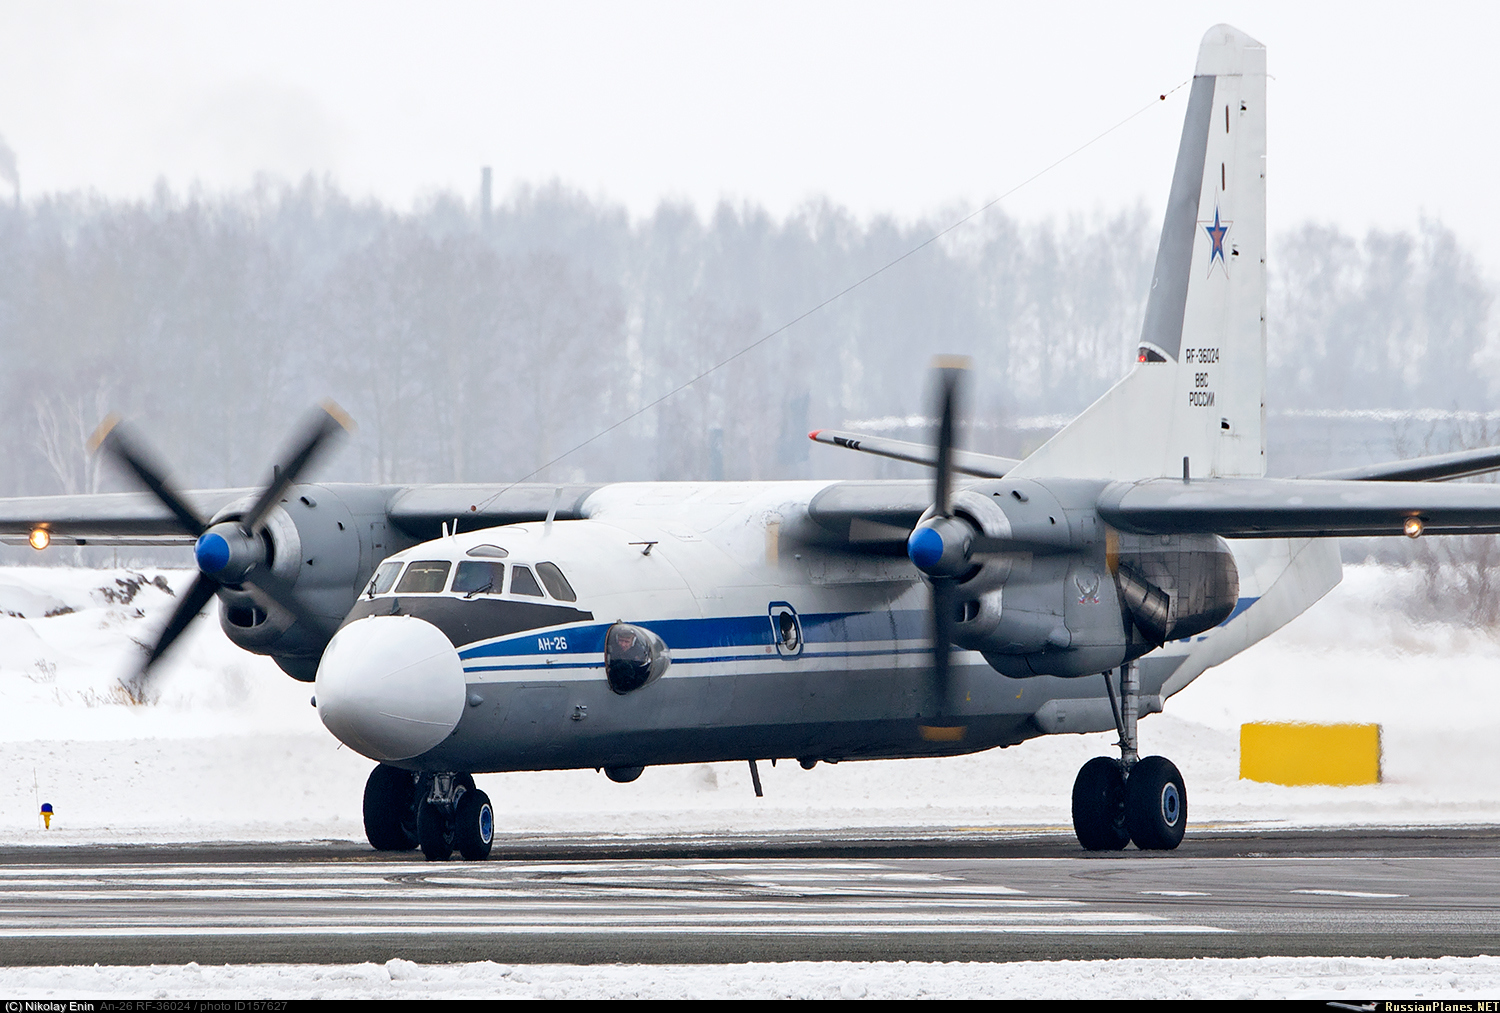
[[384, 578], [425, 576], [476, 577]]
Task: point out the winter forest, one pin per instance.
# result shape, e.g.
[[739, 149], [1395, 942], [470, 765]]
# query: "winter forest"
[[476, 343]]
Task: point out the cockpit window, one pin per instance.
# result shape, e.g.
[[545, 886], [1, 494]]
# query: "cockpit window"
[[487, 552], [557, 585], [425, 576], [522, 582], [475, 577], [383, 579]]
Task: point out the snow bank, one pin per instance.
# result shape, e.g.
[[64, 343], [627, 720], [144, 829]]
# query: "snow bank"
[[1343, 978]]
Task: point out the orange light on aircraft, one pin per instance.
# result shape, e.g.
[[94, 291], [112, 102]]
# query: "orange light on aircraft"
[[40, 538], [1412, 527]]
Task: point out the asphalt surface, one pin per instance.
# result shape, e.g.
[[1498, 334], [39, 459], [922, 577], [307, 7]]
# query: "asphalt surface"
[[964, 894]]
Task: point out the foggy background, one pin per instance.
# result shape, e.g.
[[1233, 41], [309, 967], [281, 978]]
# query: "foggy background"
[[476, 342]]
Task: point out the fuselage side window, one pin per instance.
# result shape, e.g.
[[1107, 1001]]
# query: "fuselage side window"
[[476, 577], [384, 579], [522, 582], [557, 585], [425, 576]]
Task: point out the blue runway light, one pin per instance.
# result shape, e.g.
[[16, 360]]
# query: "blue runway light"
[[925, 547], [211, 552]]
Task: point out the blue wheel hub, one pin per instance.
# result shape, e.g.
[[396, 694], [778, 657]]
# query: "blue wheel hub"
[[1171, 804]]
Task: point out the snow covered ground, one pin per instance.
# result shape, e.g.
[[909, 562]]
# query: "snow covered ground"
[[229, 749], [1343, 979]]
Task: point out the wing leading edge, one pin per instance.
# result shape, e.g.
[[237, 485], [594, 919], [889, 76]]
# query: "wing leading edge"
[[1299, 508]]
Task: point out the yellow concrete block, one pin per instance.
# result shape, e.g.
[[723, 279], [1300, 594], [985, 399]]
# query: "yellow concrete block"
[[1295, 753]]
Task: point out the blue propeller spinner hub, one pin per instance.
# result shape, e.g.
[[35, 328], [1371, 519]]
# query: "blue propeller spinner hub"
[[211, 552], [924, 547]]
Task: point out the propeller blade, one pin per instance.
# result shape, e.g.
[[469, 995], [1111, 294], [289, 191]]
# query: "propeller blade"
[[113, 439], [203, 589], [280, 591], [949, 371], [944, 601], [327, 422]]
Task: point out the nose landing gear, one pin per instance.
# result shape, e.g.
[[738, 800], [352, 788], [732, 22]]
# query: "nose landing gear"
[[438, 812], [1132, 798]]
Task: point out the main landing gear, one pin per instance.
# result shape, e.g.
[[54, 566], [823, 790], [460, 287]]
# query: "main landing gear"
[[1132, 798], [439, 813]]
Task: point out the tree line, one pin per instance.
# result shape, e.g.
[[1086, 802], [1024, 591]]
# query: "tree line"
[[480, 345]]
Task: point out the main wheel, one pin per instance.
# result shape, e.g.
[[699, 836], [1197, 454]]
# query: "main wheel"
[[1155, 804], [474, 826], [434, 832], [1099, 805], [391, 809]]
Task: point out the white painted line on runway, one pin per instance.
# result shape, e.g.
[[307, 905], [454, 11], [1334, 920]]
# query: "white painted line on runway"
[[1349, 893], [1110, 928]]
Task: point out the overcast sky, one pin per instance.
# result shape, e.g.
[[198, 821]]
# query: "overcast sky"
[[1380, 113]]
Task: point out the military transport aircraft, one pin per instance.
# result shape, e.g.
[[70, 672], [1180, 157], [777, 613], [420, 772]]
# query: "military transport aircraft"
[[458, 629]]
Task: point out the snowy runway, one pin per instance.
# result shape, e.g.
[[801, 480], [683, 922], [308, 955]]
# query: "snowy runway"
[[695, 910]]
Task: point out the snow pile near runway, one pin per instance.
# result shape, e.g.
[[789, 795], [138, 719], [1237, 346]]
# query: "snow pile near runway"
[[1337, 978], [229, 748]]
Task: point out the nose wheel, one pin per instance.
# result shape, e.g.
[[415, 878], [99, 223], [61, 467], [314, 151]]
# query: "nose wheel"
[[440, 813], [454, 815], [1130, 799]]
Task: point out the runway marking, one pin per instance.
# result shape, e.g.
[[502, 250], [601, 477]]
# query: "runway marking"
[[610, 898], [1175, 893], [1350, 893], [888, 928]]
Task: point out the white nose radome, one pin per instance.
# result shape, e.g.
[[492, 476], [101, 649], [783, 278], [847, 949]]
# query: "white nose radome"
[[390, 687]]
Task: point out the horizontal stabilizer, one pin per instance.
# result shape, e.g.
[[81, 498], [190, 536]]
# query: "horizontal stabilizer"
[[964, 461], [1298, 508], [1437, 468]]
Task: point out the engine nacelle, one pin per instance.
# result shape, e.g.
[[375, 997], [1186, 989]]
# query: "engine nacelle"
[[323, 540], [1077, 598]]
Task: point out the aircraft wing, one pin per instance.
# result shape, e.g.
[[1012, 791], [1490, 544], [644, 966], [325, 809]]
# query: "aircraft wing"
[[111, 518], [966, 462], [871, 514], [1302, 508], [422, 510], [1437, 468]]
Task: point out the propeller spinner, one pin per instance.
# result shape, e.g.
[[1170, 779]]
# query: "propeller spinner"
[[231, 552]]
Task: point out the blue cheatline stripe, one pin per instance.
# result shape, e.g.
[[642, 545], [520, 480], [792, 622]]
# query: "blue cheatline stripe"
[[707, 660], [734, 633], [718, 631], [1239, 607]]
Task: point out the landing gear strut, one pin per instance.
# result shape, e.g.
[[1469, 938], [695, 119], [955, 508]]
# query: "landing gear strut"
[[1132, 798]]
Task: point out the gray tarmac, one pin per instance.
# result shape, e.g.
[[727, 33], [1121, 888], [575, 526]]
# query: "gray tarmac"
[[966, 894]]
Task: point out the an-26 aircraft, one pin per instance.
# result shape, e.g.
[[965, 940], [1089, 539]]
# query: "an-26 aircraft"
[[458, 629]]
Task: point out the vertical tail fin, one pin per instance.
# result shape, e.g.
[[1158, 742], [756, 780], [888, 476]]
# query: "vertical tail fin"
[[1198, 387]]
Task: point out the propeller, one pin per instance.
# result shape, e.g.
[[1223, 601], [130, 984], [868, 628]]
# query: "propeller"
[[941, 544], [230, 552]]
